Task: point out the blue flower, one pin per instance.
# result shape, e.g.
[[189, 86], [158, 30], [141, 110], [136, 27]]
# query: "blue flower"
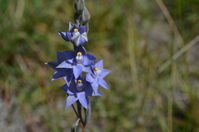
[[76, 34], [78, 90], [81, 61], [67, 74], [95, 77]]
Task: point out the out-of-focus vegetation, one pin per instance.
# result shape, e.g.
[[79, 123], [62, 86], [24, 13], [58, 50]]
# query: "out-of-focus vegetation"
[[154, 84]]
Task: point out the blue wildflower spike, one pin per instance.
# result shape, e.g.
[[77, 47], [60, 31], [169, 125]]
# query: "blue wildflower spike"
[[79, 69], [82, 74]]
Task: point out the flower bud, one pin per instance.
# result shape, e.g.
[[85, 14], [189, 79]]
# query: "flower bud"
[[85, 16], [79, 5]]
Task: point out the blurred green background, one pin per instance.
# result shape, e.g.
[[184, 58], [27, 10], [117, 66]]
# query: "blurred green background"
[[151, 46]]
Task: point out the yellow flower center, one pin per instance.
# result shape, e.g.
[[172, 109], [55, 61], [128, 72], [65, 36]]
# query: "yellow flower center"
[[79, 53], [79, 81], [96, 69], [75, 30]]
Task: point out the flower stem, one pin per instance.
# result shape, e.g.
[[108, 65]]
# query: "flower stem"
[[79, 116], [75, 111], [82, 127], [79, 108]]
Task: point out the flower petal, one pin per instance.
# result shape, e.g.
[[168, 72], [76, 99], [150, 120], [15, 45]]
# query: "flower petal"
[[83, 99], [58, 75], [91, 56], [89, 78], [65, 88], [102, 83], [81, 41], [89, 59], [72, 86], [70, 92], [68, 78], [99, 64], [84, 36], [66, 55], [62, 73], [82, 29], [52, 64], [78, 41], [66, 35], [62, 34], [64, 64], [95, 86], [88, 88], [77, 70], [104, 73], [87, 69], [70, 100], [76, 35]]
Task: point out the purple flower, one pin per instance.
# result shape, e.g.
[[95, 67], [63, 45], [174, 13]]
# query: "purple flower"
[[81, 61], [76, 34], [79, 89], [95, 77], [67, 74]]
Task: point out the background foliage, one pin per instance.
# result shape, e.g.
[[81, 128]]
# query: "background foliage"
[[150, 88]]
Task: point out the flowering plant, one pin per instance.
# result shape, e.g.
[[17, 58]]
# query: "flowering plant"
[[79, 69]]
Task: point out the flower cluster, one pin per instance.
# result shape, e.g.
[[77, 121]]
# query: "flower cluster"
[[82, 74]]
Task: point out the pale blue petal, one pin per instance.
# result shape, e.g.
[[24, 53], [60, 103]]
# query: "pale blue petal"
[[77, 70], [87, 69], [84, 36], [76, 35], [89, 59], [83, 99], [102, 83], [89, 78], [64, 65], [70, 92], [104, 73], [99, 64], [70, 100], [95, 86]]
